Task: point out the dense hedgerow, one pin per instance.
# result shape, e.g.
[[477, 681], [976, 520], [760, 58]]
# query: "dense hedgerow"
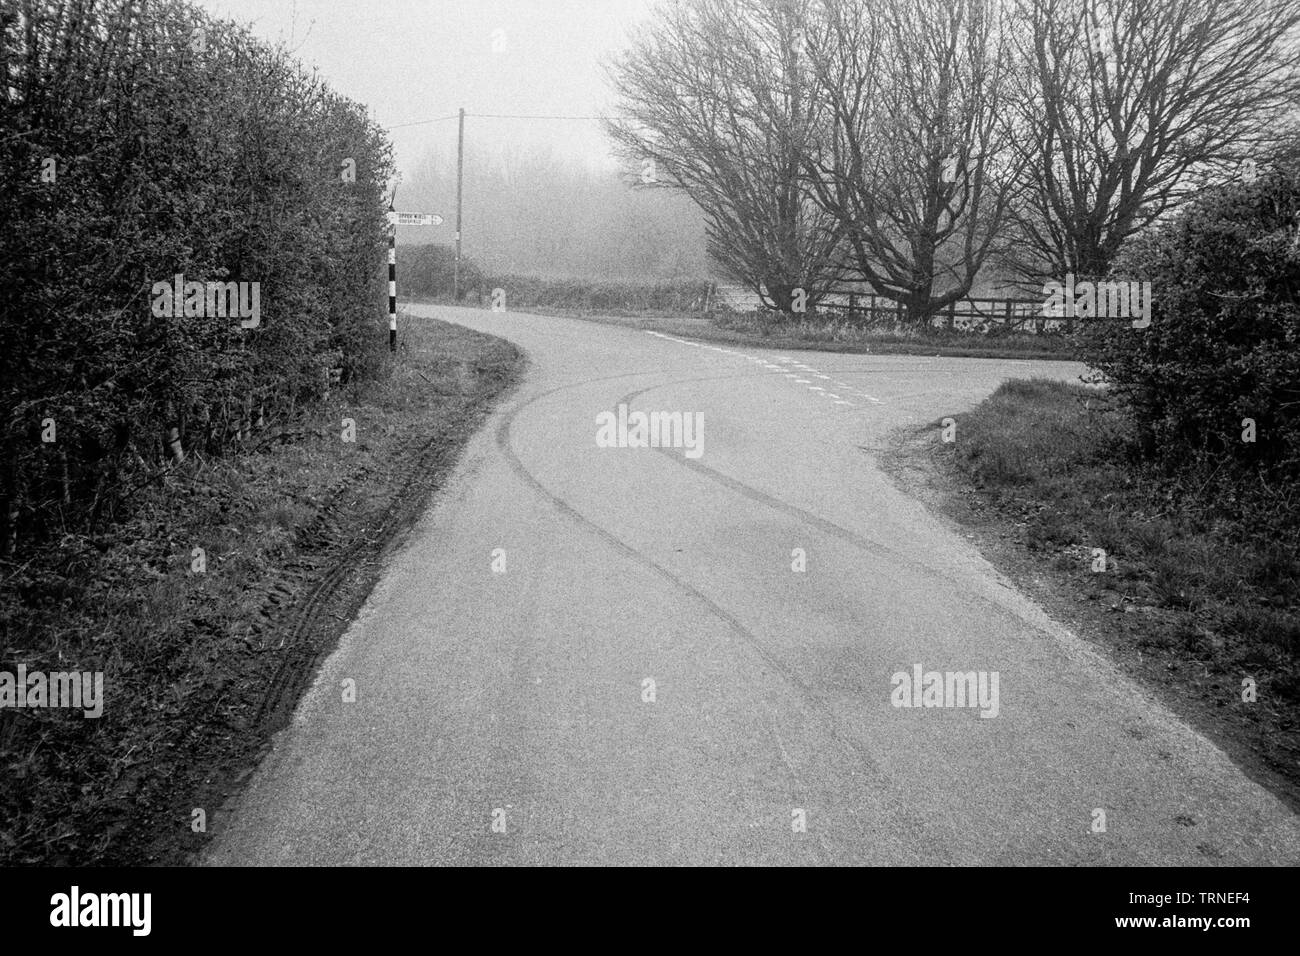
[[140, 141], [427, 271], [1224, 342], [685, 295]]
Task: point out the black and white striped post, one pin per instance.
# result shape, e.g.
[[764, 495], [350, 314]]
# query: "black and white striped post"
[[406, 219], [392, 280]]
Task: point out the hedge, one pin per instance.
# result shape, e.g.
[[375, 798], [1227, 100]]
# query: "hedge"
[[1220, 363], [141, 142]]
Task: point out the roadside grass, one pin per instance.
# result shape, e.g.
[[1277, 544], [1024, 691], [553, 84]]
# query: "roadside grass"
[[831, 329], [825, 333], [1202, 572], [187, 656]]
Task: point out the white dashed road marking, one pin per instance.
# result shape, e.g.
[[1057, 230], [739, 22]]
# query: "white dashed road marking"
[[786, 363]]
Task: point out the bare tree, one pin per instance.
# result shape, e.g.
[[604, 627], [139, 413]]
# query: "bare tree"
[[1123, 106], [714, 99], [913, 163]]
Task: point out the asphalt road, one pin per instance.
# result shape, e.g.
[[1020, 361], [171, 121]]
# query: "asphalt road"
[[503, 716]]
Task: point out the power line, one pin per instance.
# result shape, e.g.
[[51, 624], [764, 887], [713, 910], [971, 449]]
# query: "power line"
[[460, 179], [520, 116], [424, 122], [526, 116]]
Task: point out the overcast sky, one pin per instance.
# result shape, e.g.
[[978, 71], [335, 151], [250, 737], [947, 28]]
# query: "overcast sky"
[[414, 60]]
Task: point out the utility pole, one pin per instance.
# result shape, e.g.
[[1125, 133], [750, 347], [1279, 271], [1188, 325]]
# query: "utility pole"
[[460, 171]]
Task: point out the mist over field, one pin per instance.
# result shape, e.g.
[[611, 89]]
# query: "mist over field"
[[532, 211]]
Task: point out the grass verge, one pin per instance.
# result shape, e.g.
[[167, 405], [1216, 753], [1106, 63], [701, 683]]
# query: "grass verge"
[[203, 661], [827, 333], [1200, 590]]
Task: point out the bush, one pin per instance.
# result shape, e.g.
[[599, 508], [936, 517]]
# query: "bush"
[[429, 272], [688, 295], [1224, 340], [143, 141]]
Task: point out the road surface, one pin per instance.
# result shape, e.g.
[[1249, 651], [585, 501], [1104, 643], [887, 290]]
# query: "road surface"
[[504, 708]]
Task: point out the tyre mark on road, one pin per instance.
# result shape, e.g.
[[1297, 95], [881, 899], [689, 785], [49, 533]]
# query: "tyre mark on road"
[[817, 706]]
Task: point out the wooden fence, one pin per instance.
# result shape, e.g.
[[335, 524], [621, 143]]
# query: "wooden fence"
[[971, 314]]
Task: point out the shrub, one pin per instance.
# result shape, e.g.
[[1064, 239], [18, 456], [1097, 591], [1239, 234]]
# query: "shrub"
[[599, 296], [429, 271], [143, 141], [1224, 340]]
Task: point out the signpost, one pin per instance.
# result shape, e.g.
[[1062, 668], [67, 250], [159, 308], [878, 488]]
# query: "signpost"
[[396, 219], [418, 219]]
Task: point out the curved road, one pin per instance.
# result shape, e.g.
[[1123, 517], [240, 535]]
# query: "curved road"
[[507, 717]]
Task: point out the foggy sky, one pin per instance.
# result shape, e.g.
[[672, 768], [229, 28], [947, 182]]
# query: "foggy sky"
[[413, 60]]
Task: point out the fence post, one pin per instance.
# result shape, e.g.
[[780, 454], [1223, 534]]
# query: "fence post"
[[952, 315]]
